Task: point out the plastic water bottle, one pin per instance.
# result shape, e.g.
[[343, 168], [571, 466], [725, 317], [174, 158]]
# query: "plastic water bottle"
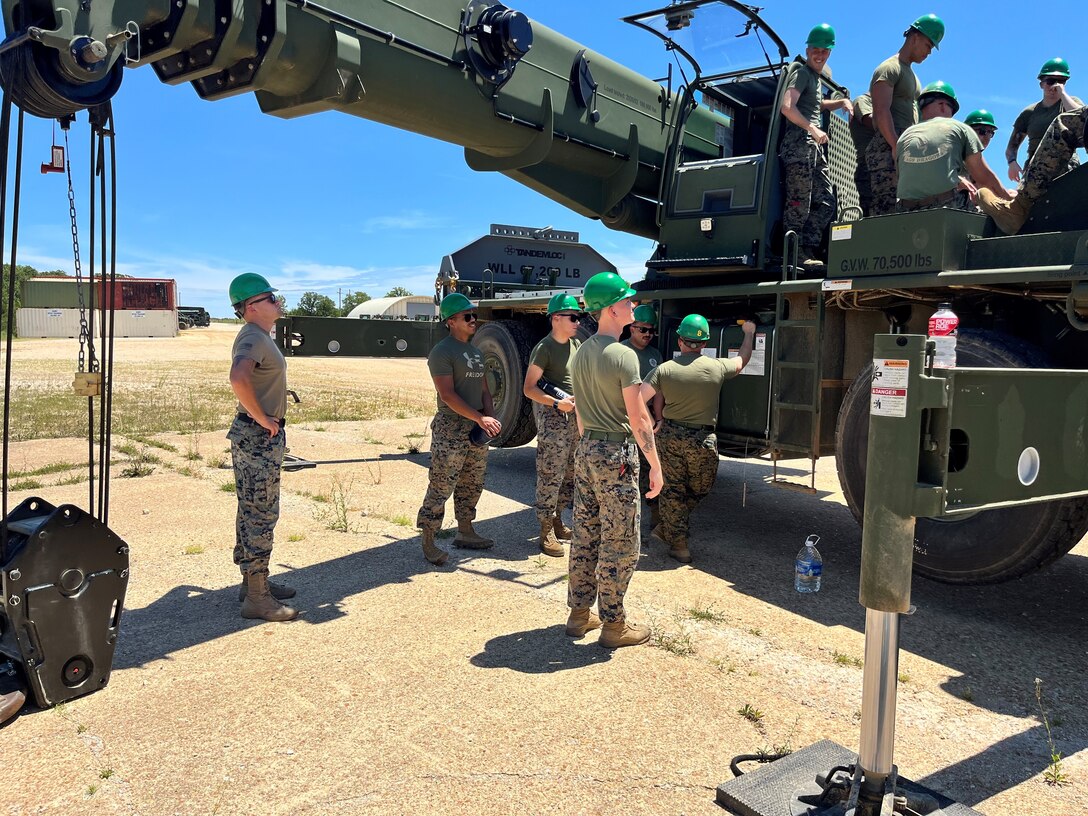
[[943, 328], [808, 567]]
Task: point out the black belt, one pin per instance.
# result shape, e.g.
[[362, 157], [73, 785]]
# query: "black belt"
[[691, 426], [246, 419], [929, 201], [606, 436]]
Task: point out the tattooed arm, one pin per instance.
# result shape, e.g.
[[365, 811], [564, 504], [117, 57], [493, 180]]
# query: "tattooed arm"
[[643, 429]]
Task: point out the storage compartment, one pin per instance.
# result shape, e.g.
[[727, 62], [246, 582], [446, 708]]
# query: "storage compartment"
[[903, 243]]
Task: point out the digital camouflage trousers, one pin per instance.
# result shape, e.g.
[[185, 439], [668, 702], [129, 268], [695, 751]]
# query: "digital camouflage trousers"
[[1054, 154], [689, 462], [605, 548], [883, 178], [810, 200], [556, 438], [257, 458], [457, 468]]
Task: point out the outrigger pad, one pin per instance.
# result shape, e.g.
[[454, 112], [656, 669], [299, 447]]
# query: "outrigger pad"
[[772, 789], [63, 587]]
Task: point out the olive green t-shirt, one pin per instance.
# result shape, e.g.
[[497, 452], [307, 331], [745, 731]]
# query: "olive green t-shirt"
[[602, 368], [862, 135], [466, 364], [801, 78], [1034, 121], [554, 359], [691, 385], [270, 376], [905, 91], [931, 157], [648, 358]]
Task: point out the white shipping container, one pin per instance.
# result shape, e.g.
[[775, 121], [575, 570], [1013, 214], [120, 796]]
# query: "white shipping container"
[[47, 322], [126, 323]]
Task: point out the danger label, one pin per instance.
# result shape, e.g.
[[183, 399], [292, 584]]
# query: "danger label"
[[889, 390]]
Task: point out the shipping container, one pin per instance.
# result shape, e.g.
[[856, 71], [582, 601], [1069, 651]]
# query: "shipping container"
[[127, 293], [126, 323]]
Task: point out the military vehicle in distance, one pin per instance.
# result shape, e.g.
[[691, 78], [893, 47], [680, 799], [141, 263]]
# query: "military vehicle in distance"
[[191, 316], [692, 167]]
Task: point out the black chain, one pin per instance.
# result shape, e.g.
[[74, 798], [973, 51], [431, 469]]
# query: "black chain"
[[84, 331]]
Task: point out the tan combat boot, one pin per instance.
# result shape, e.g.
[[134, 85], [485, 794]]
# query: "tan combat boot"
[[1008, 215], [11, 703], [280, 592], [549, 544], [469, 539], [679, 551], [431, 551], [581, 621], [809, 261], [259, 603], [562, 531], [621, 633]]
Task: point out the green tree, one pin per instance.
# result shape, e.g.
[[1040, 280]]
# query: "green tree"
[[22, 273], [312, 304], [398, 291], [353, 299]]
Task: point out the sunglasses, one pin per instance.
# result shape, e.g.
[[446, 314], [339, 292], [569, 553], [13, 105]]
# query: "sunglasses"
[[573, 318], [985, 131], [470, 317], [269, 297], [1054, 80], [642, 330]]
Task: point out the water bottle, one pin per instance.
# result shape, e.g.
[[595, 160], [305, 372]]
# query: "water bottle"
[[943, 328], [808, 567]]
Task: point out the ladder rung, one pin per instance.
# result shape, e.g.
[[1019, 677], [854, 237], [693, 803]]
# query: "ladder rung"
[[794, 406], [797, 324], [796, 364]]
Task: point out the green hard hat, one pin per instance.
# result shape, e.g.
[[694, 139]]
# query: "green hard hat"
[[645, 314], [694, 327], [247, 285], [563, 302], [932, 26], [821, 36], [939, 88], [605, 289], [1054, 67], [452, 304], [981, 117]]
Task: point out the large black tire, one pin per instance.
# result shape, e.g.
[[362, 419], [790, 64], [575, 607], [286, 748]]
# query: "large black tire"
[[506, 345], [988, 547]]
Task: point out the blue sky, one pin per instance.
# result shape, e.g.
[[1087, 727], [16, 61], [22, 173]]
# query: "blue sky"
[[211, 189]]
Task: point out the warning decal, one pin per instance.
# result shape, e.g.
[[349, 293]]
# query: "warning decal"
[[889, 394]]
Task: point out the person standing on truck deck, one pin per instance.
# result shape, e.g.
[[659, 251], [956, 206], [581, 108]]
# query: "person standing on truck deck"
[[1033, 121], [684, 392], [258, 377], [810, 200], [1051, 159], [464, 402], [642, 334], [609, 409], [940, 159], [861, 133], [556, 426], [894, 90]]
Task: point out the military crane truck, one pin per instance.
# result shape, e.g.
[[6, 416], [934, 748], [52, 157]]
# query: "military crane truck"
[[688, 160]]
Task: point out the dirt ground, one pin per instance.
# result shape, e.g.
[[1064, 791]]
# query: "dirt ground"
[[405, 688]]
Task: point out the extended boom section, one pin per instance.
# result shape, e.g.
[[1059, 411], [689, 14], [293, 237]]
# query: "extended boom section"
[[520, 98]]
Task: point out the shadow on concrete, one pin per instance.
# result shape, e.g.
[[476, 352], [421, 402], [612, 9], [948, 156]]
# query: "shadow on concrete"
[[541, 651]]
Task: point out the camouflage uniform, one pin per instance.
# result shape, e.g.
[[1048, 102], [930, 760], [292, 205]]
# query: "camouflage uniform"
[[689, 463], [607, 510], [1051, 159], [810, 201], [557, 436], [257, 459], [883, 178], [957, 200], [457, 467]]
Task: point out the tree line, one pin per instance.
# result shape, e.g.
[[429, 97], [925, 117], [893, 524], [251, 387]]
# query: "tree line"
[[22, 273], [314, 304]]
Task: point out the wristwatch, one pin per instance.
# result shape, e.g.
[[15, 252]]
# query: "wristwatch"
[[555, 404]]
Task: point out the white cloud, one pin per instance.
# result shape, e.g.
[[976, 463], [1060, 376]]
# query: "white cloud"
[[409, 221]]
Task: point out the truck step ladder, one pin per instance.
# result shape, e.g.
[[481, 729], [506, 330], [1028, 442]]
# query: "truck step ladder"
[[796, 374]]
